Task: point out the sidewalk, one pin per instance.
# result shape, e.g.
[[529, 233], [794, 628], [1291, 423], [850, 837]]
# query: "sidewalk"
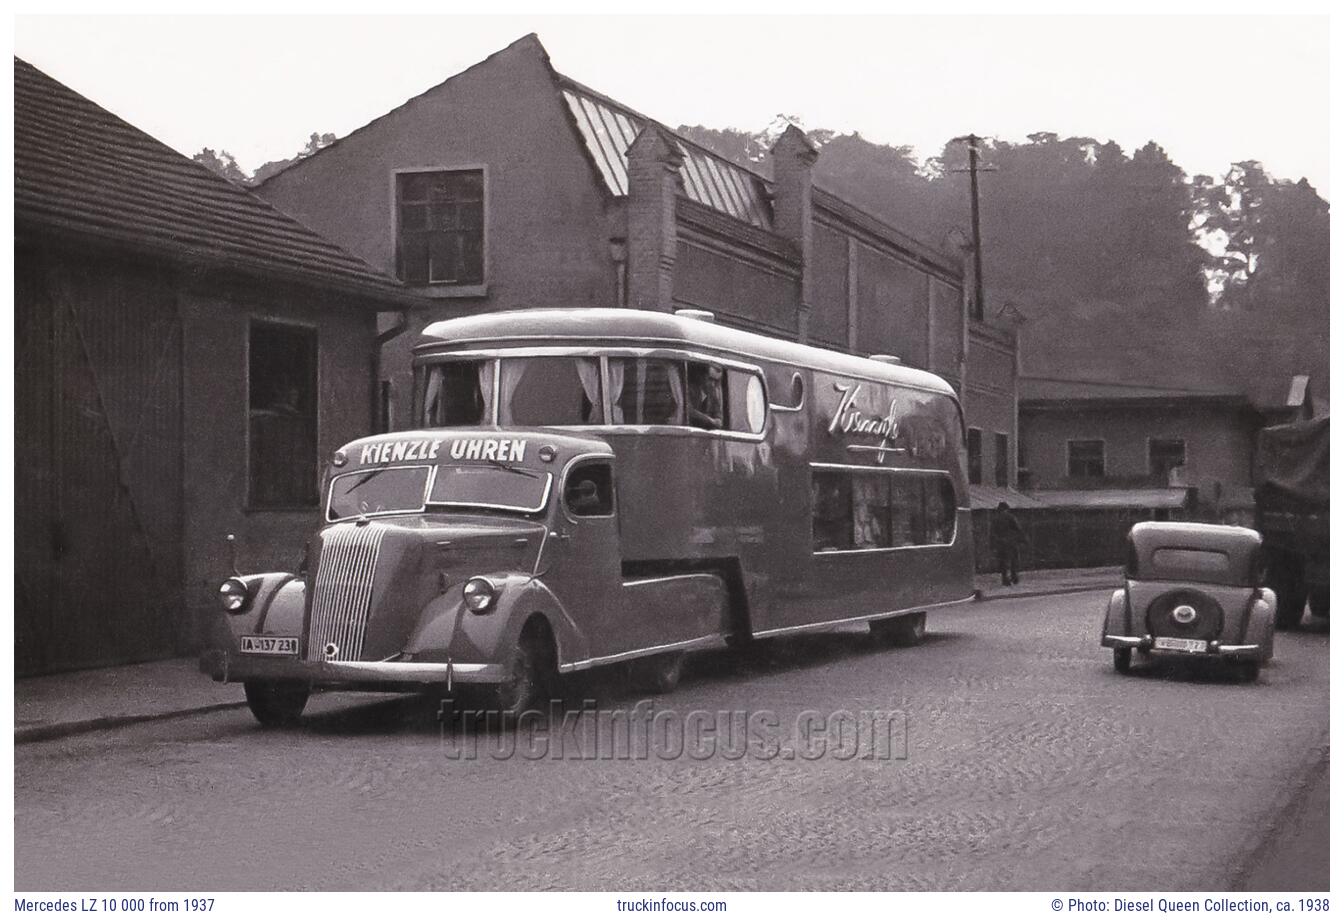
[[79, 701], [1048, 581], [56, 705]]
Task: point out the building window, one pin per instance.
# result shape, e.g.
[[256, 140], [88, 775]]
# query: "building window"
[[1087, 459], [441, 227], [1165, 455], [282, 416], [866, 509], [1000, 459], [973, 456]]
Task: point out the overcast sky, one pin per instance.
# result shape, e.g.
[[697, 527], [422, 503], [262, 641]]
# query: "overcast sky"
[[1213, 90]]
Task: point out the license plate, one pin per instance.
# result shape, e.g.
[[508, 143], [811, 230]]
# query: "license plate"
[[269, 645], [1181, 645]]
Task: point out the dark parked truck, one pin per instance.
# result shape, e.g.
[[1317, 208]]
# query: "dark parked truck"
[[1292, 512]]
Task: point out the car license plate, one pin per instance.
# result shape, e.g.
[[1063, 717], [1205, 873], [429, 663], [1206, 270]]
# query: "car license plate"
[[1180, 645], [269, 645]]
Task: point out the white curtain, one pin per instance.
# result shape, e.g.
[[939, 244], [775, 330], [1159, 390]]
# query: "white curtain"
[[590, 377], [433, 397], [510, 372], [485, 382], [678, 393], [616, 383]]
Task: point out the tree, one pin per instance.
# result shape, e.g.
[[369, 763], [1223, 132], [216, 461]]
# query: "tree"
[[315, 143], [221, 164]]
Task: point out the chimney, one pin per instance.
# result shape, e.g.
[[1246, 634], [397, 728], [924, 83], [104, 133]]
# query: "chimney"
[[792, 158], [651, 219]]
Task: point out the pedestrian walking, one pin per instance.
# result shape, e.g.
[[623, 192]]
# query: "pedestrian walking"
[[1007, 537]]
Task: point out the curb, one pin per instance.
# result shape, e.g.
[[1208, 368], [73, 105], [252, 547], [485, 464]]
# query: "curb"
[[52, 731], [1044, 592]]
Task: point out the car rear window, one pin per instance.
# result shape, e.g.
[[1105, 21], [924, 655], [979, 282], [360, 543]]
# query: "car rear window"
[[1196, 564]]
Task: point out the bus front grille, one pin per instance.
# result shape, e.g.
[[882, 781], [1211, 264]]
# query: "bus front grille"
[[342, 591]]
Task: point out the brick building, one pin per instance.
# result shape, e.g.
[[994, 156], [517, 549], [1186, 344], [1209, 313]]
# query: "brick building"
[[511, 186], [184, 355]]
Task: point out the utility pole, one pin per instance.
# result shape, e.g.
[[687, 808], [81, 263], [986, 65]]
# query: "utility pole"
[[973, 147]]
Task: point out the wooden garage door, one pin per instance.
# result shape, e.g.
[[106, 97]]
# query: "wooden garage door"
[[98, 471]]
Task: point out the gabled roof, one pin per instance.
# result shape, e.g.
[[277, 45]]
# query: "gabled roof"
[[80, 169]]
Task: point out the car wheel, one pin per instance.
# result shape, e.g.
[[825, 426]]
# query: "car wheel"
[[1122, 658], [903, 631], [1248, 671], [276, 703], [529, 675], [661, 673]]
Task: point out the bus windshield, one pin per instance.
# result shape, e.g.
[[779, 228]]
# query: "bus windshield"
[[400, 489], [532, 392]]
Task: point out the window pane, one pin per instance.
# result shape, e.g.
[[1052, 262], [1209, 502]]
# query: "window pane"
[[588, 491], [832, 523], [871, 495], [1001, 460], [441, 227], [282, 417], [377, 491], [1087, 459], [647, 391], [907, 510], [457, 394], [746, 402], [549, 391], [940, 510]]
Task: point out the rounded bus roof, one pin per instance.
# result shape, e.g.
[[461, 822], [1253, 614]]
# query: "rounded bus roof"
[[609, 327]]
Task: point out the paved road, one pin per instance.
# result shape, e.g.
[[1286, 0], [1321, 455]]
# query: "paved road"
[[1028, 764]]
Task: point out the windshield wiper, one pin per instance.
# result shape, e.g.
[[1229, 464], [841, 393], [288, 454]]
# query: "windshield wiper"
[[500, 464]]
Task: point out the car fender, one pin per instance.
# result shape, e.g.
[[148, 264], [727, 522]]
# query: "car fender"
[[275, 606], [1116, 622], [447, 626], [1260, 622]]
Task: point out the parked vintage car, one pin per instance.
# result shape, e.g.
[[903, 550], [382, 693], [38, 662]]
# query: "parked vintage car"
[[1194, 591]]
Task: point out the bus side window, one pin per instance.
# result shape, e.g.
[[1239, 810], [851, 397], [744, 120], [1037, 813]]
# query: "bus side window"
[[704, 395], [588, 490], [746, 402], [646, 391]]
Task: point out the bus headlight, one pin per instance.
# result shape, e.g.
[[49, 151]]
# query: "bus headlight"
[[233, 595], [478, 594]]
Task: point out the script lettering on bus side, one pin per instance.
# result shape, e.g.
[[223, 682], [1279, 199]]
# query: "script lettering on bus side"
[[508, 450], [850, 420]]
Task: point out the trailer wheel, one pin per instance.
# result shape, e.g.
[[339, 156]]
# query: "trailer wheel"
[[1320, 602], [660, 673], [1123, 657], [276, 703], [902, 631]]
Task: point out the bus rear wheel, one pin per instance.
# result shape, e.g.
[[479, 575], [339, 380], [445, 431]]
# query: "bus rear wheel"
[[902, 631], [276, 703]]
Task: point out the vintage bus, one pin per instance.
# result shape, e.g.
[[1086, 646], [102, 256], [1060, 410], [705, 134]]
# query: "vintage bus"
[[587, 487]]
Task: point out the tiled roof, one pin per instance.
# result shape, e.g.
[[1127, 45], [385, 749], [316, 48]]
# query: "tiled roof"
[[609, 128], [78, 168]]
